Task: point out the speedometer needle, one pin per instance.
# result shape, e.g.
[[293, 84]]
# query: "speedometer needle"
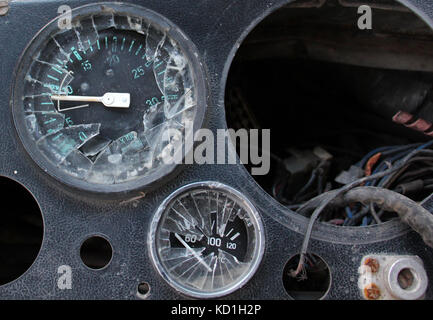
[[110, 99], [192, 251]]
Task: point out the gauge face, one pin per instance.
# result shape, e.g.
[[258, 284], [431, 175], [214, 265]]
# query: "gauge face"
[[100, 105], [206, 240]]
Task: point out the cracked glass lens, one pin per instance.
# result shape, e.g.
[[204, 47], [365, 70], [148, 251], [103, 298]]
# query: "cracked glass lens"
[[104, 53], [208, 241]]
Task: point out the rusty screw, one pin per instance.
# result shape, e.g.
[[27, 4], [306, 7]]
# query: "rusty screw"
[[4, 7], [373, 264], [372, 291]]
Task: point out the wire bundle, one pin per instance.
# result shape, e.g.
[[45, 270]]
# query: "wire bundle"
[[414, 179], [409, 211]]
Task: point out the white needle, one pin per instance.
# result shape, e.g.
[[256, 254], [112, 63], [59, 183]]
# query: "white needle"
[[71, 108], [110, 99], [193, 252]]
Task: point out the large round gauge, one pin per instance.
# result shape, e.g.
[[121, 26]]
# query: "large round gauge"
[[103, 97], [206, 240]]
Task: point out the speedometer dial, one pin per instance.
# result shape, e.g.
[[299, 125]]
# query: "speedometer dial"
[[100, 104], [206, 240]]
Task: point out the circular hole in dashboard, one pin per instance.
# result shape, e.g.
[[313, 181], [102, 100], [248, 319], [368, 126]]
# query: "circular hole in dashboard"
[[21, 230], [143, 290], [330, 93], [312, 283], [96, 252]]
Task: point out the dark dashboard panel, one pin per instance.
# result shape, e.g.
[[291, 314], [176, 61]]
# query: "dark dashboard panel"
[[217, 29]]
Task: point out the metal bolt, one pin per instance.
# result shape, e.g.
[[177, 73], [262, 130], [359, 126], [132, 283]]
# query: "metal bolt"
[[406, 278], [372, 291], [4, 7], [391, 277], [373, 264]]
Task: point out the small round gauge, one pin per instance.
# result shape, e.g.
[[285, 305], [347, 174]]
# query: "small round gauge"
[[206, 240], [104, 103]]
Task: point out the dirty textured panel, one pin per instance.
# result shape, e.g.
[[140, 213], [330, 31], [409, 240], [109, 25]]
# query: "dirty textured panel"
[[69, 217]]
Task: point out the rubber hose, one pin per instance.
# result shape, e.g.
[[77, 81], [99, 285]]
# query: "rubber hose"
[[410, 212]]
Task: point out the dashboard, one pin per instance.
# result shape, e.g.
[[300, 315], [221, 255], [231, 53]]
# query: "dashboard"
[[121, 179]]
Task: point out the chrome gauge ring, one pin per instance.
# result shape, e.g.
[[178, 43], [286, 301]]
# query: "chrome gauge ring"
[[206, 240]]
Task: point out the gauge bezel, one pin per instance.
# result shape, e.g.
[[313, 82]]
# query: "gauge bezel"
[[191, 53], [258, 250]]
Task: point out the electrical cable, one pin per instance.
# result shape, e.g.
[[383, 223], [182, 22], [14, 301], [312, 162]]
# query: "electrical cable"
[[344, 189]]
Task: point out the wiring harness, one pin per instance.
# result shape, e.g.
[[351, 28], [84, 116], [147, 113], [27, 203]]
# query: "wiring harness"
[[398, 166], [413, 178]]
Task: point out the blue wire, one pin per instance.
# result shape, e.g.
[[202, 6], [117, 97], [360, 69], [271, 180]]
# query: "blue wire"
[[390, 149], [381, 167], [363, 161], [427, 144], [398, 157], [349, 213]]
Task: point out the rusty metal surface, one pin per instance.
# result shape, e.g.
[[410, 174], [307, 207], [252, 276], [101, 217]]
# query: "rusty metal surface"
[[387, 277]]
